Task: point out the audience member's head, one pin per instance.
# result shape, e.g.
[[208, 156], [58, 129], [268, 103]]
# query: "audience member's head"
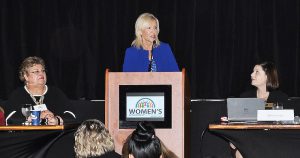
[[92, 139], [143, 143]]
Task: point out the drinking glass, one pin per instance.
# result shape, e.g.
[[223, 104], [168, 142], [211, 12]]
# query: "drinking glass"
[[278, 106], [26, 111], [296, 120]]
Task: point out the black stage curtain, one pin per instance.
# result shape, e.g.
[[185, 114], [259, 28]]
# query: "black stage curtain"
[[217, 41]]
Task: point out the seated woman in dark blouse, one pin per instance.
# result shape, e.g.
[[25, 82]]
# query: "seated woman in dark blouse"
[[265, 78], [51, 100]]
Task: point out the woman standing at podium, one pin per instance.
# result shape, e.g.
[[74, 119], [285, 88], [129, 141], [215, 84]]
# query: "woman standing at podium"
[[147, 53]]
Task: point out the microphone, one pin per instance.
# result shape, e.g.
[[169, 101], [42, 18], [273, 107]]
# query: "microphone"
[[154, 44], [9, 116], [151, 57]]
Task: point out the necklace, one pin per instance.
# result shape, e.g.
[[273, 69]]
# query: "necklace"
[[40, 97]]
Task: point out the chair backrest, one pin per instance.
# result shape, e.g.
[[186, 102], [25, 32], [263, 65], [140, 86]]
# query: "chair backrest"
[[2, 117]]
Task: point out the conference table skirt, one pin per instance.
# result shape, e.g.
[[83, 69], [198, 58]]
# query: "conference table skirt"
[[271, 143], [24, 144]]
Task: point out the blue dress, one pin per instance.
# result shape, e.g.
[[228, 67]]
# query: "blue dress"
[[137, 60]]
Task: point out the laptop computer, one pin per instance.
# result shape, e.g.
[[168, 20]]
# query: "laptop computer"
[[244, 109]]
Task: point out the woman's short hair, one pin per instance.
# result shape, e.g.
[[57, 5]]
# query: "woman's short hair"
[[141, 23], [143, 142], [27, 63], [92, 139], [272, 75]]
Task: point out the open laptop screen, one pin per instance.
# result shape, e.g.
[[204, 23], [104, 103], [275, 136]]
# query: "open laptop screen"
[[244, 109]]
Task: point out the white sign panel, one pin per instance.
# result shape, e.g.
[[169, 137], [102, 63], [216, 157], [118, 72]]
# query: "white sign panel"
[[145, 107], [275, 115]]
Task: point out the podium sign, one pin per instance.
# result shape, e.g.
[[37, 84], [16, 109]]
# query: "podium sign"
[[150, 103], [142, 107]]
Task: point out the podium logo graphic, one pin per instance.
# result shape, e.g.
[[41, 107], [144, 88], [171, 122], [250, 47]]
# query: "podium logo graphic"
[[145, 107], [145, 103]]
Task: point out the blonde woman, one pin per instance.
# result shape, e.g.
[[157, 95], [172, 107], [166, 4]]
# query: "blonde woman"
[[147, 53], [92, 140]]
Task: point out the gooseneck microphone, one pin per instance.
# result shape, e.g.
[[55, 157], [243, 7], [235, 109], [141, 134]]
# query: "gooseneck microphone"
[[9, 116], [150, 66]]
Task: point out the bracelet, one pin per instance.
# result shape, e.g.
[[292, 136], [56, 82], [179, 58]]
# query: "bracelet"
[[58, 120]]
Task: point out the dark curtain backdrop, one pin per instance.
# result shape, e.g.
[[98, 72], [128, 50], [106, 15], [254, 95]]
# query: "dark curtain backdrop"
[[217, 41]]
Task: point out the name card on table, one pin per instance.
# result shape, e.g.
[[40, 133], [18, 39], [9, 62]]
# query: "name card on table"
[[41, 107], [275, 115]]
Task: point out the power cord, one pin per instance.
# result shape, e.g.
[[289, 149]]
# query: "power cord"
[[201, 140]]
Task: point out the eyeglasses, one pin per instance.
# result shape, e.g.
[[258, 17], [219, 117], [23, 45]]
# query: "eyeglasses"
[[36, 72]]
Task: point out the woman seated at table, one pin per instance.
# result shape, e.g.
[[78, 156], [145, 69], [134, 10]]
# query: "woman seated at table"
[[50, 100], [265, 80]]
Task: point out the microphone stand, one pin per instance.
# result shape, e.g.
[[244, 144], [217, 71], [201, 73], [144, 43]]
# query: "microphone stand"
[[151, 57], [150, 63]]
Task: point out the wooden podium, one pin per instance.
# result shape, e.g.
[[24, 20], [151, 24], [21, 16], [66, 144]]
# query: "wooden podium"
[[176, 138]]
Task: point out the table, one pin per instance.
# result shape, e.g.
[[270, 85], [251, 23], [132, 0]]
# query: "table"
[[37, 128], [31, 141], [261, 140]]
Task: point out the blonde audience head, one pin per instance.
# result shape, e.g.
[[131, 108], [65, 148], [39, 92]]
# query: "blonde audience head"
[[92, 139]]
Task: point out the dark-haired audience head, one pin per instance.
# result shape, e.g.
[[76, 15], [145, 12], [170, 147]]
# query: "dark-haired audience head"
[[92, 139], [265, 74], [143, 143]]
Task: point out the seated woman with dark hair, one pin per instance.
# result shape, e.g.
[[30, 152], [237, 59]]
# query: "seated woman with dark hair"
[[143, 143], [265, 80], [92, 139]]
